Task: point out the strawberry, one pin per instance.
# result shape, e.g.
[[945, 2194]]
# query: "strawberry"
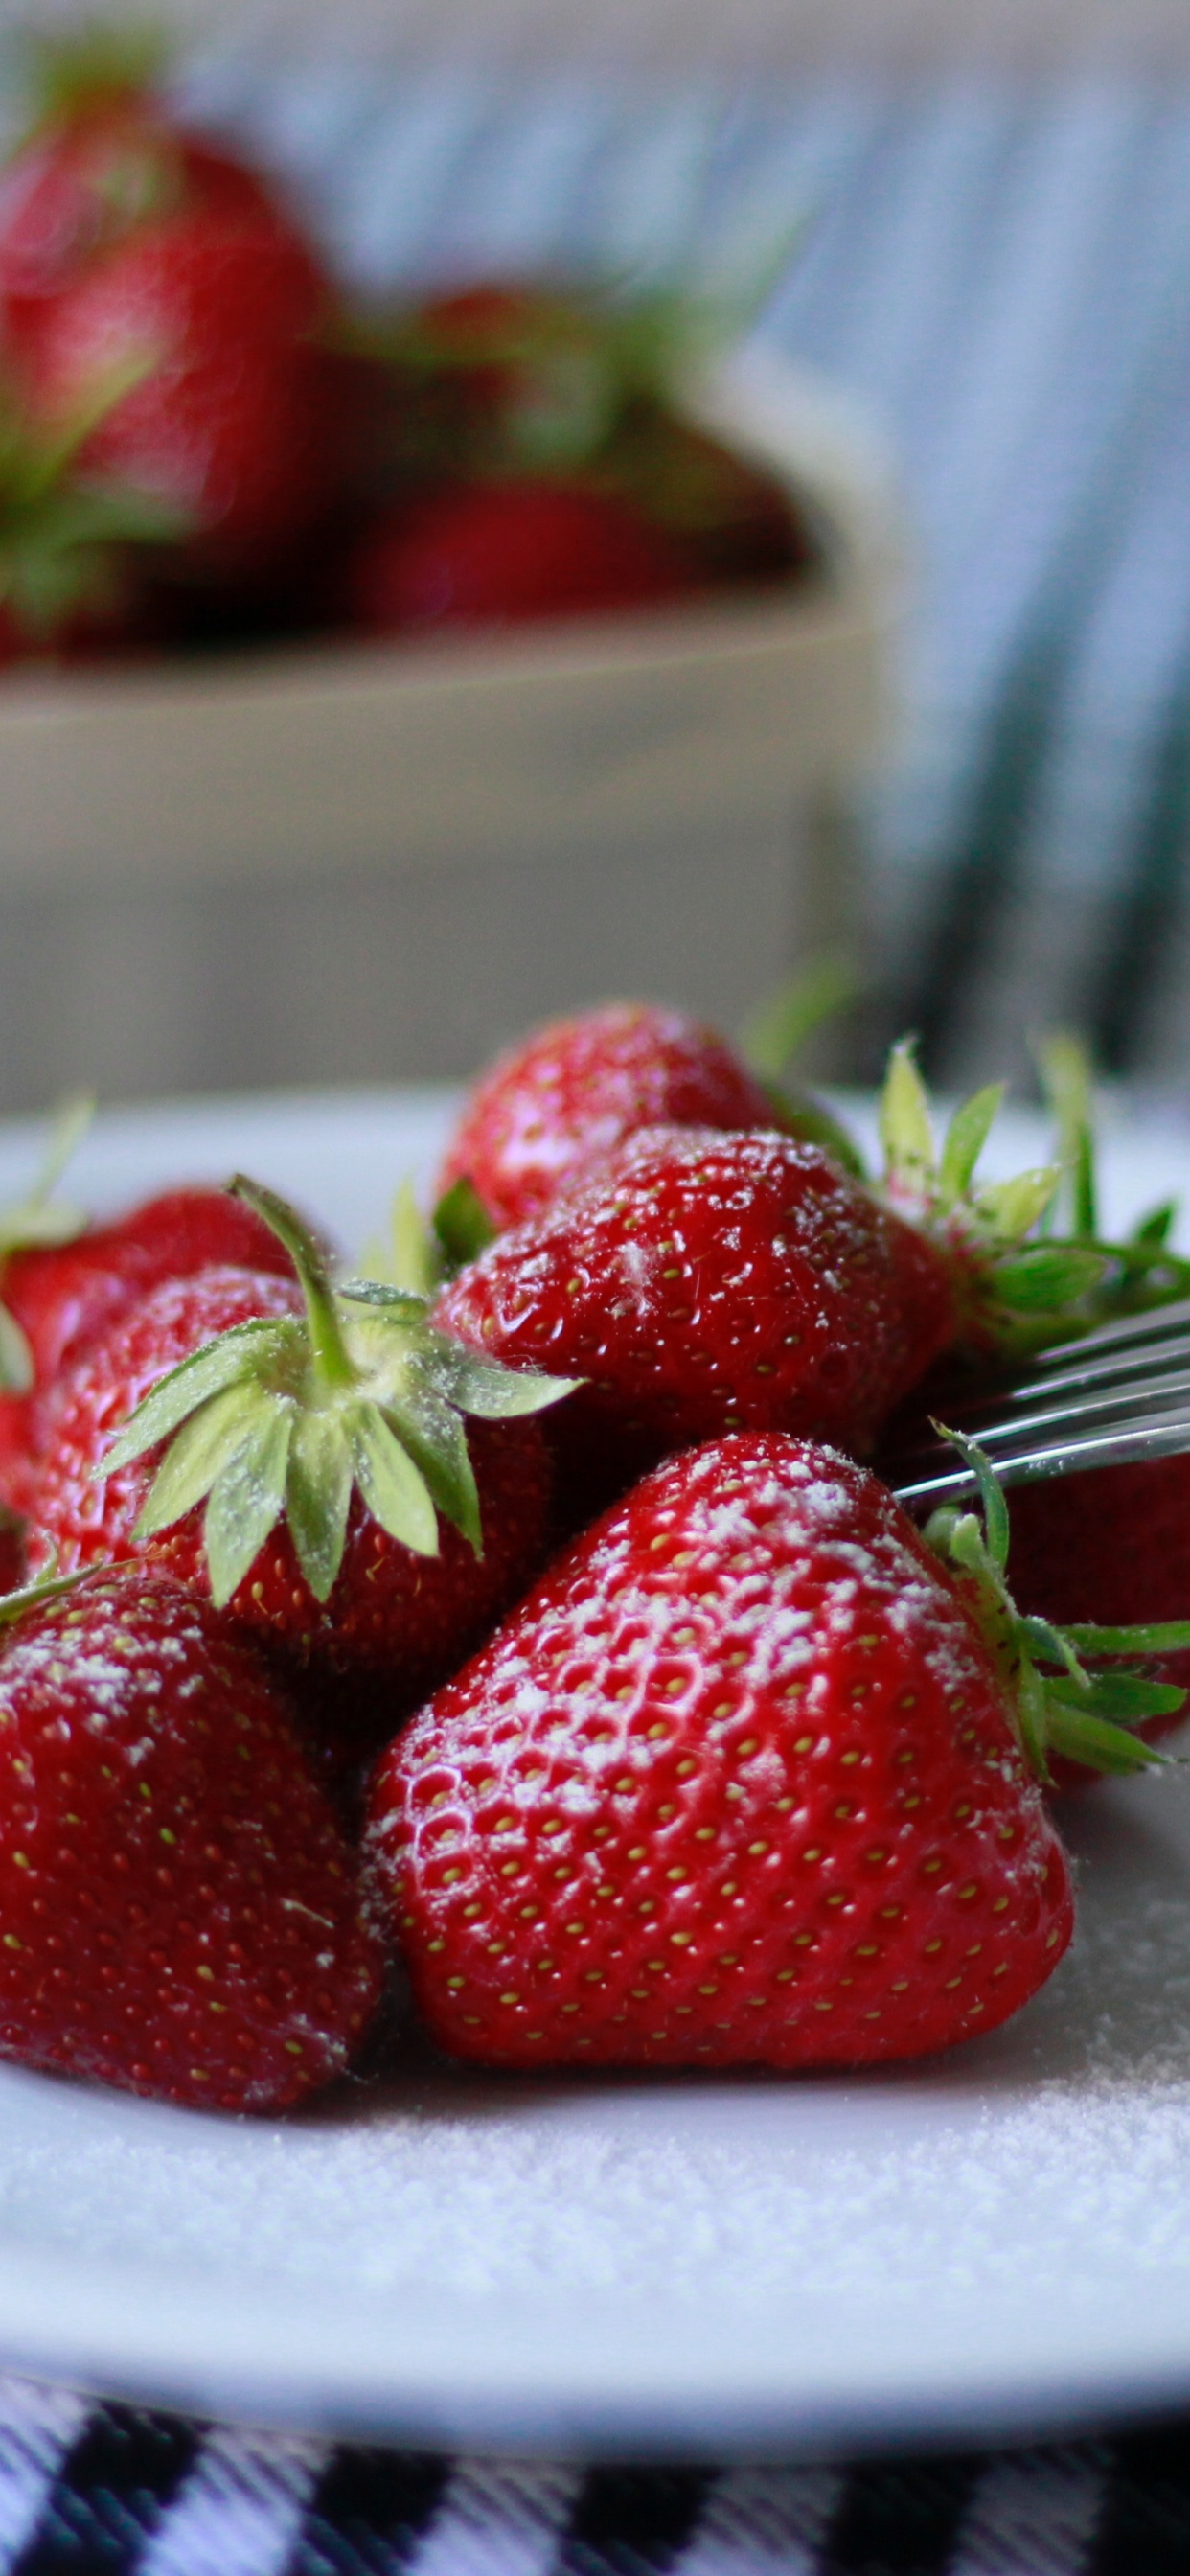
[[179, 1913], [571, 1092], [63, 1295], [62, 1286], [731, 517], [192, 340], [498, 553], [629, 1272], [350, 1518], [1112, 1544], [12, 1551], [702, 1282], [1018, 1281], [103, 158], [516, 377], [740, 1781]]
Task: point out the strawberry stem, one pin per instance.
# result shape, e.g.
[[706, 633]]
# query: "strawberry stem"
[[283, 1417], [333, 1367], [92, 67]]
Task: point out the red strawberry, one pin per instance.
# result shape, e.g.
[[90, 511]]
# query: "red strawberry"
[[179, 1913], [701, 1282], [349, 1517], [1114, 1546], [61, 1295], [1013, 1288], [190, 345], [738, 1782], [571, 1092], [516, 378], [12, 1552], [103, 158], [498, 553]]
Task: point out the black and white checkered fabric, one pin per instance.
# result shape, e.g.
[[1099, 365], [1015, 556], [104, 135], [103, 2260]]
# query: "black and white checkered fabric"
[[112, 2490]]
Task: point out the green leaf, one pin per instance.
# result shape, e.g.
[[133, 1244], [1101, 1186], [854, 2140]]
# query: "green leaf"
[[1159, 1637], [905, 1130], [1033, 1705], [776, 1030], [245, 1502], [1010, 1209], [318, 1484], [65, 67], [204, 1446], [462, 1224], [1069, 1083], [1153, 1231], [812, 1123], [1048, 1276], [50, 1586], [394, 1489], [1054, 1646], [68, 1126], [1083, 1737], [1126, 1697], [411, 1258], [39, 1218], [434, 1436], [236, 1355], [493, 1393], [416, 1263], [940, 1528], [967, 1547], [16, 1358], [991, 1492], [406, 1305], [1161, 1273], [966, 1137]]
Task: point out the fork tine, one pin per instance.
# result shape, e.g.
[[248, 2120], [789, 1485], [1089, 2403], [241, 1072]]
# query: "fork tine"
[[1083, 1366], [1122, 1392], [1126, 1332], [1166, 1435], [991, 1423]]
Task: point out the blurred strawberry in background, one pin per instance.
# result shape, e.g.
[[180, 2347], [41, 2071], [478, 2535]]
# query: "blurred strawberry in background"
[[206, 442], [102, 156]]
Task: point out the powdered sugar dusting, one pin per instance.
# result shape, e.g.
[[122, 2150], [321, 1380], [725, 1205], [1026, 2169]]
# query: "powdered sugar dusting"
[[1055, 2153]]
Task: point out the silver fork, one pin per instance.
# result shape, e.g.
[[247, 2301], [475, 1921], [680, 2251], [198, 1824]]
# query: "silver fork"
[[1121, 1393]]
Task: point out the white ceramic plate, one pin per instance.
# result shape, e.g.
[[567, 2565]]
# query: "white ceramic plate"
[[998, 2241]]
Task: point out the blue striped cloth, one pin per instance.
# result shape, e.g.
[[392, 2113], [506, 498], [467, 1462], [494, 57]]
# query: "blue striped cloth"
[[85, 2489], [1003, 276]]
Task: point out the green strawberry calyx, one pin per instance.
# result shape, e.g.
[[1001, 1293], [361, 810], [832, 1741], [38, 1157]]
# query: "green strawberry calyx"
[[40, 1219], [1143, 1270], [1018, 1286], [422, 1253], [284, 1418], [1062, 1702], [64, 529], [89, 67]]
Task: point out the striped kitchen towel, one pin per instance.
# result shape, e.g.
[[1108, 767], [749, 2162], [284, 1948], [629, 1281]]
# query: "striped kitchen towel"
[[114, 2490]]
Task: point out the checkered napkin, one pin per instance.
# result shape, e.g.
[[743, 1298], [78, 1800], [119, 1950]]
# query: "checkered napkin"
[[110, 2490]]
